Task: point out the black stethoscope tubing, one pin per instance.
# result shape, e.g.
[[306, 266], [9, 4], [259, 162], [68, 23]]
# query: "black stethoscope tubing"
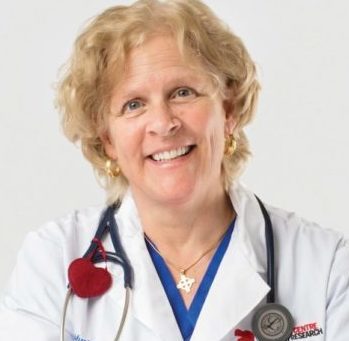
[[269, 241], [108, 224]]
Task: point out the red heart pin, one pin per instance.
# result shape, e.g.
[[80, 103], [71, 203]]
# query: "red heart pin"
[[87, 280]]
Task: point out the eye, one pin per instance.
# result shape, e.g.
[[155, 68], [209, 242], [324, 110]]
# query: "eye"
[[132, 106], [183, 93]]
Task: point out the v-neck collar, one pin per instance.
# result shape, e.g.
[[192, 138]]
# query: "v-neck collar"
[[187, 318]]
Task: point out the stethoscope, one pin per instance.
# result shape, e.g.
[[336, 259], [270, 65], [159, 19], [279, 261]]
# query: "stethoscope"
[[271, 321], [96, 254]]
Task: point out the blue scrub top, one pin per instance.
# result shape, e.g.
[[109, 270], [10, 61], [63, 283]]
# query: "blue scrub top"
[[187, 318]]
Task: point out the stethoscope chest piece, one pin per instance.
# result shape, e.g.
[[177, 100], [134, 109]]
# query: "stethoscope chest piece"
[[272, 322]]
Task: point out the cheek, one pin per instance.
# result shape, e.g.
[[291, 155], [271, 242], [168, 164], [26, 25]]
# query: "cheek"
[[198, 117], [209, 123], [125, 139]]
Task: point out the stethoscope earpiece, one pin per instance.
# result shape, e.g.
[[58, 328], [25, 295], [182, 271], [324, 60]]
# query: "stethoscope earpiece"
[[272, 322]]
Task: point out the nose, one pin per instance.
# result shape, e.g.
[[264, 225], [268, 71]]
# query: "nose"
[[163, 121]]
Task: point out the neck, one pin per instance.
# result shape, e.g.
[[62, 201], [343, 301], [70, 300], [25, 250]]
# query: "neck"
[[189, 226]]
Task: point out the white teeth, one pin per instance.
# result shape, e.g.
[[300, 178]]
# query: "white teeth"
[[171, 154]]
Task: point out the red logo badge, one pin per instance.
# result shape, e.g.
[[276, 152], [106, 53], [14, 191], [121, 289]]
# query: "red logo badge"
[[244, 335]]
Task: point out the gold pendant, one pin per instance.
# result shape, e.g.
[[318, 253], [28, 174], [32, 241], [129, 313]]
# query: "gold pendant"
[[185, 283]]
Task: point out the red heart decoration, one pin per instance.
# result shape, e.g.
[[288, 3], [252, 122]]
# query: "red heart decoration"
[[86, 280]]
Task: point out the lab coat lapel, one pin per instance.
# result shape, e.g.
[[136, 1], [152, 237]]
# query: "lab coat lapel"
[[149, 301], [235, 292], [238, 286]]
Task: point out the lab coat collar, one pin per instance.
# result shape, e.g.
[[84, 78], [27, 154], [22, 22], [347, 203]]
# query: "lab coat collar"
[[251, 226], [127, 217], [236, 290]]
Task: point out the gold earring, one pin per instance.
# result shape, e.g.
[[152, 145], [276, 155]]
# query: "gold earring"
[[112, 171], [230, 146]]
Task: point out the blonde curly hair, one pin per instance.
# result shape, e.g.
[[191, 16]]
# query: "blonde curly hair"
[[98, 59]]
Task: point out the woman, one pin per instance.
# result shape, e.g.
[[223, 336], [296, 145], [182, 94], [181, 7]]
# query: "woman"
[[158, 94]]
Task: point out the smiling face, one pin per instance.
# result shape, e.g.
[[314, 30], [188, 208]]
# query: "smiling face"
[[167, 126]]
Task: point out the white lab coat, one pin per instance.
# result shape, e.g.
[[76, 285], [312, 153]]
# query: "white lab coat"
[[312, 266]]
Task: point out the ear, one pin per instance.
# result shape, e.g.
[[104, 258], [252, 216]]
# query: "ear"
[[108, 145], [229, 109]]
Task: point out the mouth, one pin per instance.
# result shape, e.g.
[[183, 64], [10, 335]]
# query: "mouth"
[[172, 154]]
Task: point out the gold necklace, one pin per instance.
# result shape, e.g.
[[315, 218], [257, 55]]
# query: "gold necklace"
[[185, 282]]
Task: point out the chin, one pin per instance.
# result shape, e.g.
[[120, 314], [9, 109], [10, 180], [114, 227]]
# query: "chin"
[[177, 194]]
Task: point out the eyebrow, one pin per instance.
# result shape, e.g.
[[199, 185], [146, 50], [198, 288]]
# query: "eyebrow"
[[134, 91]]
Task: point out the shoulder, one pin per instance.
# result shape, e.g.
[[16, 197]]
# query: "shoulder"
[[54, 244], [311, 250], [297, 229], [77, 221], [296, 239], [67, 232], [43, 260], [286, 224]]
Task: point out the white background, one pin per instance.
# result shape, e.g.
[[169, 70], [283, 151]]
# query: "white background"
[[300, 136]]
